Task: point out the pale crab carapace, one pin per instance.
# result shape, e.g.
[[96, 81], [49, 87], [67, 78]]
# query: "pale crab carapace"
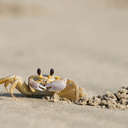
[[43, 85]]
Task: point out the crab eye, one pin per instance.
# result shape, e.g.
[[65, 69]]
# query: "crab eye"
[[39, 71], [51, 71]]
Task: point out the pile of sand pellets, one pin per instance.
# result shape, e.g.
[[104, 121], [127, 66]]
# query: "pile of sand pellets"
[[118, 100], [110, 100]]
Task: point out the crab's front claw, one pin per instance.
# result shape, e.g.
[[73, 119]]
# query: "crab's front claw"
[[35, 85], [56, 85]]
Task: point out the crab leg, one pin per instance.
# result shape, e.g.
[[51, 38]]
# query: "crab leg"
[[7, 78], [65, 88], [13, 87], [77, 92], [6, 85], [71, 91]]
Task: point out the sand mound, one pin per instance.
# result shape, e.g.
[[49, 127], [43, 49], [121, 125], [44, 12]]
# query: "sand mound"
[[109, 100]]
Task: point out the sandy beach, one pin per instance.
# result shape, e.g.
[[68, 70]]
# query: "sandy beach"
[[82, 40]]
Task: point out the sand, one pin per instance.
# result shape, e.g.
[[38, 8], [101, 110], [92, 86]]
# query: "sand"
[[85, 41]]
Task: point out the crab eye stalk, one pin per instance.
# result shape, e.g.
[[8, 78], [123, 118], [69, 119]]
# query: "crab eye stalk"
[[39, 71], [51, 71]]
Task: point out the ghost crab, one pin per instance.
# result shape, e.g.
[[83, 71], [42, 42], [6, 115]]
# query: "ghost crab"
[[44, 85]]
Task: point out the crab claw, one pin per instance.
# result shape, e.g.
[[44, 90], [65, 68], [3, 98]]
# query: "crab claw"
[[33, 84], [56, 85]]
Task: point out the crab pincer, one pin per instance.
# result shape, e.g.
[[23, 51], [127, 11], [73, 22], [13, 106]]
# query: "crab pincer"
[[57, 85], [35, 85]]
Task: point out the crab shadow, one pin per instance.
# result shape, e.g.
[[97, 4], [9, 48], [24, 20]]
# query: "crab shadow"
[[18, 95], [8, 95]]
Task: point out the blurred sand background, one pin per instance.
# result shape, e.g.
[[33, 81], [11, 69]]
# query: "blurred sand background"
[[85, 40]]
